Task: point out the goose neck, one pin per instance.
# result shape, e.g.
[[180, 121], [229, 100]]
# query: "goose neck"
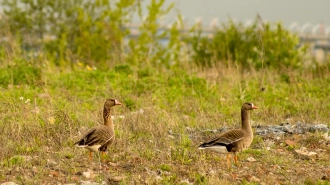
[[107, 117], [246, 120]]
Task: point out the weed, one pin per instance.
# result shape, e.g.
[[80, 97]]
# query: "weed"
[[290, 148], [257, 140], [170, 179], [165, 167], [69, 155], [16, 161], [200, 179], [130, 104]]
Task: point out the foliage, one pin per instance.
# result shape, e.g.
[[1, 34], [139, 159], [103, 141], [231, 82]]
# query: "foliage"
[[95, 33], [156, 44], [15, 160], [249, 46], [71, 31], [19, 73]]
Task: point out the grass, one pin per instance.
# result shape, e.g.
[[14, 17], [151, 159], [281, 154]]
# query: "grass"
[[164, 114]]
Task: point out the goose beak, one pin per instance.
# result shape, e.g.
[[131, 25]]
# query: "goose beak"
[[254, 107], [117, 102]]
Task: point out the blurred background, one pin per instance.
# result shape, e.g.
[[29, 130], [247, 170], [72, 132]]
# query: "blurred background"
[[287, 12]]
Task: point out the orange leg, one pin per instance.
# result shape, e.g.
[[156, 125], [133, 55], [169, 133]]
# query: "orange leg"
[[235, 159], [106, 167], [228, 160], [102, 156], [90, 156]]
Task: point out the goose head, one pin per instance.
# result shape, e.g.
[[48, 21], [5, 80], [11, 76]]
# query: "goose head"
[[111, 102], [249, 106]]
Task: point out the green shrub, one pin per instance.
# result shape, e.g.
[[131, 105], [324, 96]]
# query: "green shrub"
[[248, 46], [22, 72], [129, 103], [124, 69], [70, 31], [95, 33], [145, 72]]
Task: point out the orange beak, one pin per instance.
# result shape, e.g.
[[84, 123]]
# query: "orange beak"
[[117, 102], [254, 107]]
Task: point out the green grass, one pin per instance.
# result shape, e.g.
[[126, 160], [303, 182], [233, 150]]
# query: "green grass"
[[154, 103]]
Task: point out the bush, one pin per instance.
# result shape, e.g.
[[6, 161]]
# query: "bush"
[[22, 72], [95, 33], [71, 31], [248, 46]]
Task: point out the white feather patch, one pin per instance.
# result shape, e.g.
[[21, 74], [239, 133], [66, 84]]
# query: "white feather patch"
[[219, 149], [93, 148]]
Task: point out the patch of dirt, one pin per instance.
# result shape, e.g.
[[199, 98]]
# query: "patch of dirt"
[[270, 160]]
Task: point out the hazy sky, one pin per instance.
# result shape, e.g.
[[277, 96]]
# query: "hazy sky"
[[286, 11]]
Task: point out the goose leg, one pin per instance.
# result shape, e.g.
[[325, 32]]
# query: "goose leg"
[[105, 165], [235, 159], [90, 156], [103, 154], [228, 160]]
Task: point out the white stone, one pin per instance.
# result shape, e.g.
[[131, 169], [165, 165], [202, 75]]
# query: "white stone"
[[304, 154], [9, 183], [251, 159]]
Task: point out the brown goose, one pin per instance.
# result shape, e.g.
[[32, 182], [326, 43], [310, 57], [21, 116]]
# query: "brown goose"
[[235, 140], [98, 138]]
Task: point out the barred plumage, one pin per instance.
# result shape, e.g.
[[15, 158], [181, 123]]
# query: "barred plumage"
[[98, 138], [235, 140]]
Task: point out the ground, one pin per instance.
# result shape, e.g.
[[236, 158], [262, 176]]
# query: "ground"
[[270, 160], [163, 117]]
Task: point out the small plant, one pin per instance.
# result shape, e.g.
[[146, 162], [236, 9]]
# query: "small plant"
[[200, 179], [254, 152], [170, 179], [290, 148], [257, 140], [16, 161], [69, 155], [310, 181], [182, 152], [130, 104], [165, 167]]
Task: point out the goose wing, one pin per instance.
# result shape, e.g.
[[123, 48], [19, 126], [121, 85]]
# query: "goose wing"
[[99, 135], [224, 139]]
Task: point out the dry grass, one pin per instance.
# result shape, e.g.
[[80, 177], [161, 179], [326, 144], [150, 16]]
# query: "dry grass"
[[157, 145]]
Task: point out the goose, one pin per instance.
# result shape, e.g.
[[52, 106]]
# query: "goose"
[[233, 141], [98, 138]]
